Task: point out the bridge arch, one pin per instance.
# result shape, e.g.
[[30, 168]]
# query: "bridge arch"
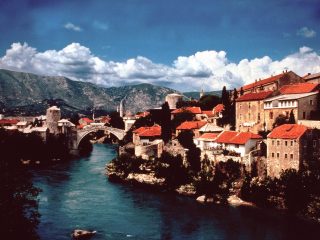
[[81, 134]]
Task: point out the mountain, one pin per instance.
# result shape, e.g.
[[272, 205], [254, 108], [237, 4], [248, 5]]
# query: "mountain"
[[30, 94], [196, 95]]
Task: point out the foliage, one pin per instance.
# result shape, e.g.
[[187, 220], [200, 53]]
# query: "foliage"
[[19, 215], [181, 117], [291, 118], [191, 103], [165, 122], [171, 168], [208, 102], [280, 120], [185, 138], [126, 164], [116, 121]]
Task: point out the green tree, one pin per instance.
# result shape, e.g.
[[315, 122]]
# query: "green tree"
[[291, 118], [208, 102], [116, 121], [165, 123]]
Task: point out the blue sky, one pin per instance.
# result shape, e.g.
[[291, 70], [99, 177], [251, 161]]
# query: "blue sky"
[[160, 32]]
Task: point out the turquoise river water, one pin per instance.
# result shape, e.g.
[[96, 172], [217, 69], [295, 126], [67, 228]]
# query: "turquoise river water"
[[77, 194]]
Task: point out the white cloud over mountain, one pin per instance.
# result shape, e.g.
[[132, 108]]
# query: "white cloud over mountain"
[[208, 69]]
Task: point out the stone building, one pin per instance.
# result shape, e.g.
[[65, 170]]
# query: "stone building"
[[250, 112], [272, 83], [292, 146], [312, 78], [192, 126], [53, 116], [303, 106], [173, 99], [196, 112]]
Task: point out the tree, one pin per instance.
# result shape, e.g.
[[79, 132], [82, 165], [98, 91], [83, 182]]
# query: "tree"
[[226, 113], [165, 123], [180, 118], [241, 91], [291, 118], [116, 121], [207, 102], [280, 120]]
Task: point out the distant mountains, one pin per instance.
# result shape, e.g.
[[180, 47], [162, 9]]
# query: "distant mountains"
[[30, 94]]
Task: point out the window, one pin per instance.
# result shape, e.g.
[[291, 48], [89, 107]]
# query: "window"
[[311, 102], [291, 156], [286, 143], [287, 114], [237, 146], [278, 155], [249, 105], [278, 143], [285, 156], [272, 154], [272, 142], [258, 116], [304, 115], [240, 106], [291, 143], [271, 115], [314, 143]]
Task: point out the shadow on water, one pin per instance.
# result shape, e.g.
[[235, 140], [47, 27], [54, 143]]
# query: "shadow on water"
[[78, 195]]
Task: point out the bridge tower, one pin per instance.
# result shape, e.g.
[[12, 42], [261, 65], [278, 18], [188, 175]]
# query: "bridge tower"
[[53, 116]]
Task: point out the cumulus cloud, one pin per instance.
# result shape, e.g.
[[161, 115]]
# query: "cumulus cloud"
[[208, 69], [71, 26], [306, 32]]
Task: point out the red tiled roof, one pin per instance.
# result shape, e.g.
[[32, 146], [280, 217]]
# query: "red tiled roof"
[[208, 113], [209, 136], [153, 131], [8, 121], [219, 108], [233, 137], [263, 82], [298, 88], [189, 125], [288, 131], [194, 110], [143, 114], [254, 96], [87, 120]]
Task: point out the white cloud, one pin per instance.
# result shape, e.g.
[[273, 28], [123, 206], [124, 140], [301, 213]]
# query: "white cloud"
[[306, 32], [210, 69], [71, 26]]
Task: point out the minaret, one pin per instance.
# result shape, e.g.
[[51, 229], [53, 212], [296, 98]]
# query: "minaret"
[[201, 93], [121, 108]]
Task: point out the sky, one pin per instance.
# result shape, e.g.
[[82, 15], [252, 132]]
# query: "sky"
[[183, 44]]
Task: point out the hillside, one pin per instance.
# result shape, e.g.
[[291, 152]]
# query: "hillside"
[[30, 94]]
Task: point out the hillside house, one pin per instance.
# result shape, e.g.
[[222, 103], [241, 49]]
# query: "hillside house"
[[312, 78], [193, 126], [196, 112], [292, 146], [250, 111]]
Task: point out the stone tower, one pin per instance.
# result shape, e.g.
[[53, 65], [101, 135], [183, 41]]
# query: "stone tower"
[[53, 116], [121, 108], [173, 99]]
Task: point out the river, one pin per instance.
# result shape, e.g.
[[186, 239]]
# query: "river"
[[77, 194]]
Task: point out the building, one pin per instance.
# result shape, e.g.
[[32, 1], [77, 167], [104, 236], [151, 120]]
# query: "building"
[[290, 146], [303, 106], [196, 112], [206, 141], [22, 125], [250, 111], [210, 128], [65, 126], [192, 126], [272, 83], [237, 143], [173, 99], [312, 78], [144, 135], [53, 116]]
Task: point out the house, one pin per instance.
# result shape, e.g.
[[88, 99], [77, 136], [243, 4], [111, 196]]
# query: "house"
[[193, 126], [85, 121], [195, 111], [250, 111], [272, 83], [312, 78], [303, 105], [211, 116], [206, 141], [210, 128], [144, 135], [22, 125], [65, 126], [241, 143], [8, 122], [147, 142], [291, 146]]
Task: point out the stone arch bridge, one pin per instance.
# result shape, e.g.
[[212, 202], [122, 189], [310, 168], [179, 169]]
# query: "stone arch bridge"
[[80, 134]]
